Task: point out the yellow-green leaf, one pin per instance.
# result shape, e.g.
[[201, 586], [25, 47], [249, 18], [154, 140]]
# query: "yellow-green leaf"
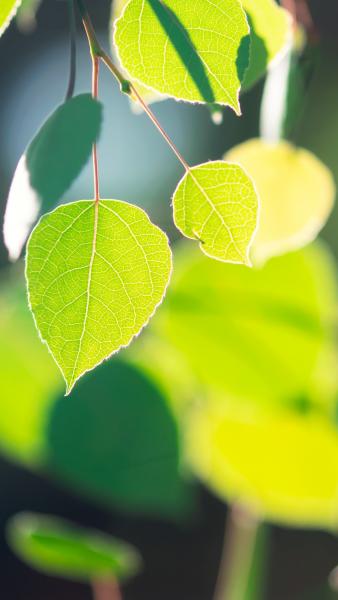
[[8, 9], [148, 95], [95, 274], [296, 191], [283, 466], [216, 203], [270, 32], [196, 50]]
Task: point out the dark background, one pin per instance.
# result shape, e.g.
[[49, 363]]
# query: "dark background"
[[181, 560]]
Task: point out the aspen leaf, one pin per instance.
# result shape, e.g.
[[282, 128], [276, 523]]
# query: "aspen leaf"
[[196, 50], [283, 466], [250, 333], [59, 548], [296, 192], [123, 450], [149, 96], [95, 275], [270, 33], [8, 10], [52, 161], [216, 203]]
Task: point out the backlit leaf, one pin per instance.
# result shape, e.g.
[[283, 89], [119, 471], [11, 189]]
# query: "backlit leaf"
[[216, 203], [59, 548], [270, 32], [296, 192], [95, 274], [148, 95], [258, 334], [52, 161], [8, 9], [283, 466], [196, 50]]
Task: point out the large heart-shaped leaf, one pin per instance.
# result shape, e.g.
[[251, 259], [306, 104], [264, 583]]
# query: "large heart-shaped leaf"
[[196, 50], [96, 273]]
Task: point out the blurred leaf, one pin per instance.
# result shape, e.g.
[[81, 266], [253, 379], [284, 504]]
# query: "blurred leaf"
[[296, 191], [282, 465], [29, 378], [26, 15], [115, 439], [253, 334], [50, 164], [59, 548], [216, 203], [8, 9], [302, 69], [96, 273], [270, 32], [164, 47]]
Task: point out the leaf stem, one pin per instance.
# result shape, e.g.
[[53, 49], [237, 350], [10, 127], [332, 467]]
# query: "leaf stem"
[[126, 86], [95, 93], [106, 589], [72, 59], [237, 555]]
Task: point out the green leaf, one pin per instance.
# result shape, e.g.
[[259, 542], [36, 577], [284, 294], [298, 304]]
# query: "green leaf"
[[216, 203], [258, 335], [59, 548], [196, 50], [270, 33], [148, 95], [281, 465], [121, 450], [50, 164], [96, 273], [296, 191], [28, 374], [8, 10]]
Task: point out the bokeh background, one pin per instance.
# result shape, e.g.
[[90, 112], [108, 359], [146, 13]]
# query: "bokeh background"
[[181, 548]]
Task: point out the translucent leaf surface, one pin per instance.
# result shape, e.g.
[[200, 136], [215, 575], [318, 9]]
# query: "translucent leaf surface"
[[271, 30], [216, 203], [121, 450], [283, 466], [8, 9], [147, 94], [59, 548], [50, 164], [196, 50], [296, 192], [95, 273]]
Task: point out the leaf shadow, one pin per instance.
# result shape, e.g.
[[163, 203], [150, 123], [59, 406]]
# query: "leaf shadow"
[[185, 48]]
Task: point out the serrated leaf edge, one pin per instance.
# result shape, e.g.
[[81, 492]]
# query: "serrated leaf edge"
[[69, 387]]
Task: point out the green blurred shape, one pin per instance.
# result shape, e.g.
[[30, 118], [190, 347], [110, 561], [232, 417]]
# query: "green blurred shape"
[[29, 377], [258, 334], [62, 146], [59, 548], [115, 439]]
